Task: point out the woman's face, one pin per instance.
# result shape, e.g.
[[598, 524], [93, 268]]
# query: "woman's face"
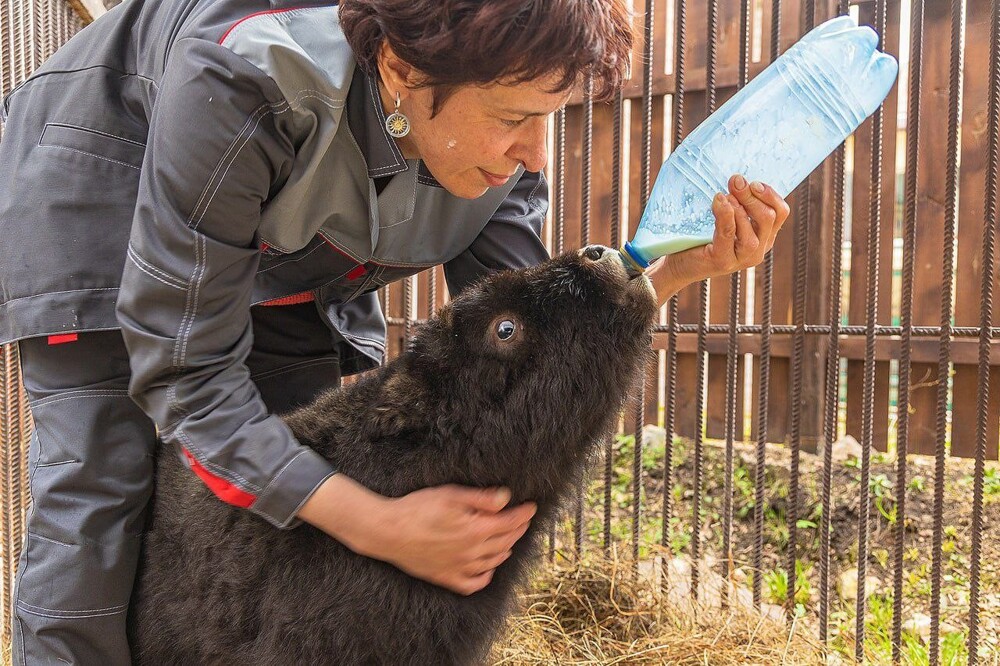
[[480, 135]]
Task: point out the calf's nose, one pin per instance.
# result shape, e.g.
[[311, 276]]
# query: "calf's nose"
[[594, 252]]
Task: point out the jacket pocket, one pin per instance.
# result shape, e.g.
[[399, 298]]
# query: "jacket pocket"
[[93, 142]]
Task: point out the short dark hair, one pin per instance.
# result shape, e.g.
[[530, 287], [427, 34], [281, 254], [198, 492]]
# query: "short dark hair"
[[456, 42]]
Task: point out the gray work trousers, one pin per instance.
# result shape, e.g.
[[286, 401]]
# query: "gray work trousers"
[[91, 476]]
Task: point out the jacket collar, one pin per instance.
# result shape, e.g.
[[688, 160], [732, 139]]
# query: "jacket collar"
[[366, 118]]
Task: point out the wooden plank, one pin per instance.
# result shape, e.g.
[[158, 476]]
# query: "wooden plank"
[[653, 380], [968, 269], [819, 257], [778, 401], [660, 41], [574, 178], [861, 206], [602, 166], [965, 401], [687, 301], [930, 215], [394, 334], [719, 292]]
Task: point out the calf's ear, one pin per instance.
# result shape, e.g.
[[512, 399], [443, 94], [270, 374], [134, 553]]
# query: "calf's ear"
[[400, 408]]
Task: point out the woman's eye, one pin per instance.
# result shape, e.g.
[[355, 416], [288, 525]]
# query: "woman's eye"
[[506, 329], [511, 123]]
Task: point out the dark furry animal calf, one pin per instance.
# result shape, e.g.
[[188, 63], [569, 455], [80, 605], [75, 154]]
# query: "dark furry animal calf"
[[512, 384]]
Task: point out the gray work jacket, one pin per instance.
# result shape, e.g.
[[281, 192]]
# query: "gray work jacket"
[[178, 161]]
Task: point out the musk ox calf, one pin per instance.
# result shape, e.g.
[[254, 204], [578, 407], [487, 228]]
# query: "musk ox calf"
[[512, 384]]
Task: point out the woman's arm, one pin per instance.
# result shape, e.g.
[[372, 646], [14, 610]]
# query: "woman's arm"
[[214, 151]]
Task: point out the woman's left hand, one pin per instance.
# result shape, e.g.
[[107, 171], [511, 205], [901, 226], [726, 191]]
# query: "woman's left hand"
[[746, 223]]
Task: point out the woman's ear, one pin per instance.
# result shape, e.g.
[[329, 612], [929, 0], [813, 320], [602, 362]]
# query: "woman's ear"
[[397, 74]]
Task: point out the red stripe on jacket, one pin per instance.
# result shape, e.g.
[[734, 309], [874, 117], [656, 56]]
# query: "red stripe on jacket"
[[224, 490]]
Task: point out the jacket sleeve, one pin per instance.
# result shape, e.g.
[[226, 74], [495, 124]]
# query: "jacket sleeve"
[[215, 150], [511, 239]]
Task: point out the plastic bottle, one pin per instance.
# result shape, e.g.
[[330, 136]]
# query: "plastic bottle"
[[777, 129]]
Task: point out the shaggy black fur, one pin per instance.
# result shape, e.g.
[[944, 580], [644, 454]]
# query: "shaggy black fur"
[[218, 585]]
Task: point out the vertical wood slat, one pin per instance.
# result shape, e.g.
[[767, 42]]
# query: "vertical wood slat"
[[859, 250], [975, 126], [727, 54], [783, 251], [930, 217], [659, 131], [687, 299]]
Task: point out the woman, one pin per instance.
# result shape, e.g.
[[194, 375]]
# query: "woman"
[[205, 194]]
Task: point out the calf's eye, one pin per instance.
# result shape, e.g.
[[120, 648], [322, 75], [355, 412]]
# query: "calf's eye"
[[506, 329]]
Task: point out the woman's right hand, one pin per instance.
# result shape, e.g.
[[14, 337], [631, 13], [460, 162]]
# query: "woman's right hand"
[[451, 536]]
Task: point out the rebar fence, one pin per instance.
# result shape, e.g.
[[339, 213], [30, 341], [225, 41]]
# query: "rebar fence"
[[812, 438]]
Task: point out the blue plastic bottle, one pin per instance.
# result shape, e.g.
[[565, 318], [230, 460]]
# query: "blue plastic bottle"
[[777, 129]]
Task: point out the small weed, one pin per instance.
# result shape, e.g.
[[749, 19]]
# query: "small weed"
[[881, 488], [991, 481], [916, 484], [776, 526], [775, 585], [680, 536], [744, 487]]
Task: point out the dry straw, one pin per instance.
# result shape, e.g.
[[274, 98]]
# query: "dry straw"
[[599, 613]]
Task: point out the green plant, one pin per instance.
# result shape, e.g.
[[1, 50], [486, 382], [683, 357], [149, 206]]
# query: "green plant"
[[776, 526], [680, 536], [775, 583], [881, 488], [991, 481], [744, 486], [916, 484]]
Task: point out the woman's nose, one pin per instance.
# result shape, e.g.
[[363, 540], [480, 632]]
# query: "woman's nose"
[[530, 149]]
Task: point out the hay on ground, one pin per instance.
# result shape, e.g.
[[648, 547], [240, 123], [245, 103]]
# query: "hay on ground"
[[598, 612]]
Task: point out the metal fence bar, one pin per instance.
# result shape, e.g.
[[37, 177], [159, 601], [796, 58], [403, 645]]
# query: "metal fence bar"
[[871, 295], [407, 310], [944, 358], [560, 216], [732, 354], [906, 316], [765, 370], [985, 324], [831, 392], [798, 315], [560, 231], [670, 408], [703, 295], [645, 170], [616, 215], [588, 149], [880, 331]]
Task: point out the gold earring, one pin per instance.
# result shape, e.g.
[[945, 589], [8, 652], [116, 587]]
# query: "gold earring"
[[397, 125]]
